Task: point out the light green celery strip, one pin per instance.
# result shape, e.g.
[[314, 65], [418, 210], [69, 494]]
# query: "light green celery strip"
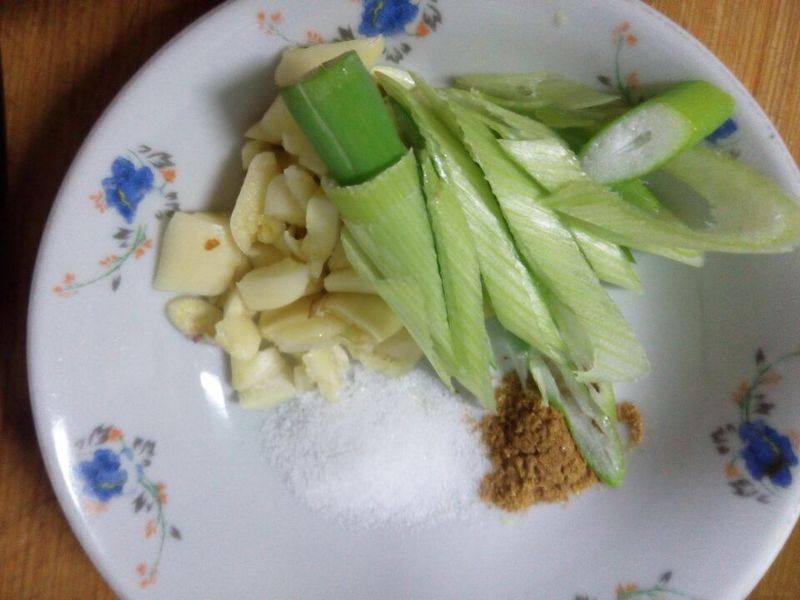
[[592, 428], [601, 209], [551, 251], [515, 296], [553, 164], [536, 89], [557, 165], [403, 295], [637, 193], [750, 212], [387, 218], [652, 133], [506, 123], [461, 280]]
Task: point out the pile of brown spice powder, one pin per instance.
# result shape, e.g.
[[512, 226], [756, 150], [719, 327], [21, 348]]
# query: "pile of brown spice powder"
[[629, 416], [534, 458]]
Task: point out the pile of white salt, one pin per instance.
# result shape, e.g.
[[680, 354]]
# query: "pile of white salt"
[[392, 450]]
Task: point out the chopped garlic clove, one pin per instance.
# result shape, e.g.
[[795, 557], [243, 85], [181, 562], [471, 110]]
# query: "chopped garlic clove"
[[338, 259], [234, 306], [322, 232], [296, 61], [366, 311], [281, 204], [327, 367], [251, 149], [248, 212], [239, 337], [198, 255], [276, 285], [313, 332], [258, 370], [194, 317], [301, 183], [347, 280]]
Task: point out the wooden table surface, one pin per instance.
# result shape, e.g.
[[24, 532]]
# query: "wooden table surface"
[[63, 61]]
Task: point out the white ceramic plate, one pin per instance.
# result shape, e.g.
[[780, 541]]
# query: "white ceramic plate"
[[191, 510]]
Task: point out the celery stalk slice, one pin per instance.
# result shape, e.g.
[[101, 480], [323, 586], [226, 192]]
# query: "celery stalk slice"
[[750, 213], [550, 250], [656, 131], [387, 218], [553, 164], [609, 260], [402, 294], [461, 280], [604, 212], [592, 428], [637, 193], [354, 144], [536, 89], [515, 296]]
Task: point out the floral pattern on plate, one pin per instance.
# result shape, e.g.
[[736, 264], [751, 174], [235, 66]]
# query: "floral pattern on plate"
[[629, 86], [390, 18], [133, 178], [763, 459], [661, 590], [111, 468]]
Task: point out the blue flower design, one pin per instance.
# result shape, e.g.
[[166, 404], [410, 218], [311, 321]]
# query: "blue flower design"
[[727, 129], [127, 187], [388, 17], [767, 452], [103, 476]]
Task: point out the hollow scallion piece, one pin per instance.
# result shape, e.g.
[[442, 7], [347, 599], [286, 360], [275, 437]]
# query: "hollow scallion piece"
[[553, 165], [586, 411], [536, 89], [515, 296], [549, 249], [387, 218], [340, 109], [656, 131], [461, 280], [749, 213]]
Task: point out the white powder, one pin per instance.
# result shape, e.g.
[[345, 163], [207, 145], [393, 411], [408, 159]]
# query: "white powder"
[[398, 451]]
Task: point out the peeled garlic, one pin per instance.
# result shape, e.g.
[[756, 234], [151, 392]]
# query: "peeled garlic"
[[322, 232], [302, 383], [193, 316], [258, 369], [198, 255], [347, 280], [234, 306], [248, 212], [281, 204], [301, 183], [264, 255], [276, 285], [338, 259], [275, 121], [250, 150], [366, 311], [394, 356], [301, 336], [297, 61], [239, 337], [326, 367], [270, 320]]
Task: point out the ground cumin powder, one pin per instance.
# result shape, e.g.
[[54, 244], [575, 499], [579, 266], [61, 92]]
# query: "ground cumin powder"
[[629, 416], [534, 458]]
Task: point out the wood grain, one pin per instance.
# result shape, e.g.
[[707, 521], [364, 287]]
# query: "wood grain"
[[63, 61]]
